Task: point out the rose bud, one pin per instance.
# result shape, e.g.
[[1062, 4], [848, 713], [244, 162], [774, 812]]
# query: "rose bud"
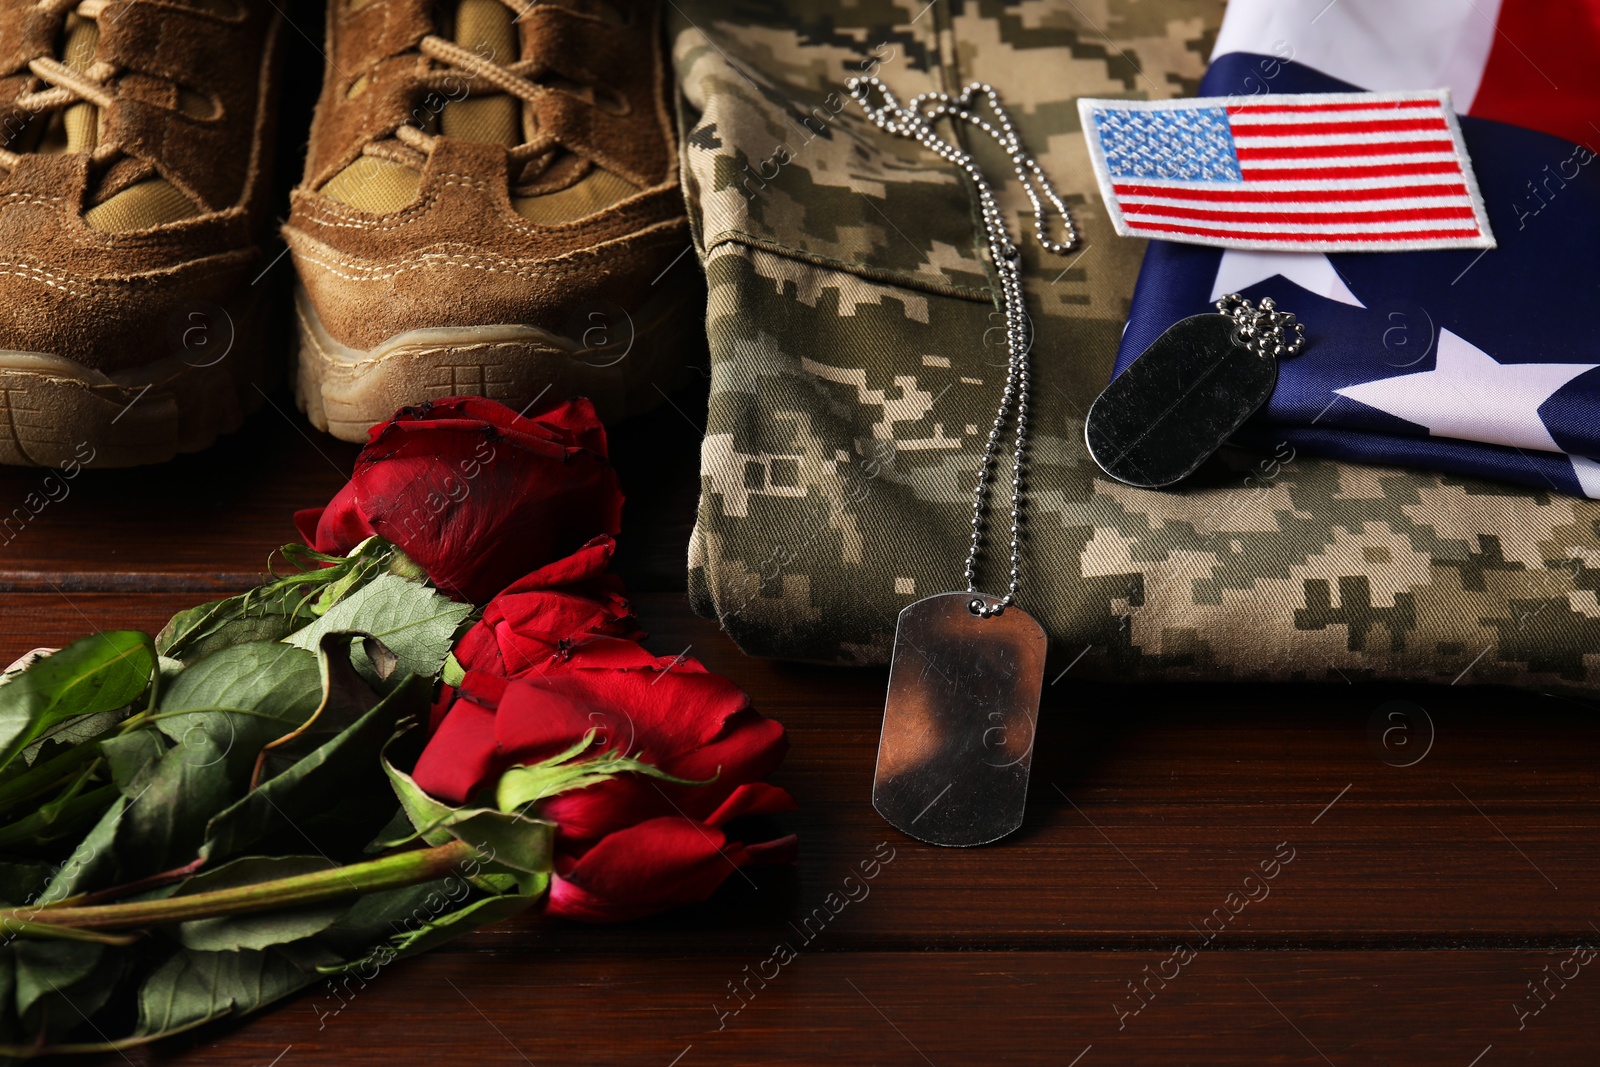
[[475, 493]]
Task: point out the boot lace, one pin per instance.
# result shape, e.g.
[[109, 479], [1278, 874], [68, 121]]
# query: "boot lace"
[[528, 80], [61, 87]]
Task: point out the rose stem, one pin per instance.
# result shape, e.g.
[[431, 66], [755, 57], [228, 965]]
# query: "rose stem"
[[389, 872], [128, 889]]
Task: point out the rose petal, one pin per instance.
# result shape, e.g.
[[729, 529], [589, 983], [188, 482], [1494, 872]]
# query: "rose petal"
[[752, 798], [655, 865], [460, 757], [588, 562], [535, 722]]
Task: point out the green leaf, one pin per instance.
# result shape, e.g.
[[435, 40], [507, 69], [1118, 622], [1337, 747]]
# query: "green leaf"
[[170, 802], [452, 673], [335, 769], [259, 615], [44, 967], [414, 621], [343, 697], [20, 883], [425, 929], [58, 984], [279, 607], [521, 787], [375, 918], [129, 754], [70, 734], [242, 698], [273, 679], [46, 774], [92, 860], [194, 795], [92, 675], [59, 819], [193, 987], [167, 793], [519, 846], [257, 930], [9, 1030]]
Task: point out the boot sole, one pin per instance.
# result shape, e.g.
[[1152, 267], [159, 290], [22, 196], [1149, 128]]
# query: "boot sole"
[[625, 362], [55, 411]]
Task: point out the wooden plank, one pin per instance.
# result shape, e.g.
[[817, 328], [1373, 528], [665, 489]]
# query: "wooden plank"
[[53, 619], [1061, 1009], [1148, 808], [202, 523]]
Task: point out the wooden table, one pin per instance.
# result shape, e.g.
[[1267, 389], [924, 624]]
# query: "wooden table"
[[1432, 899]]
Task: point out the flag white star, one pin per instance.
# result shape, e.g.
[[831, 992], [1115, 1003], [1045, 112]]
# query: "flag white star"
[[1470, 396], [1311, 271], [1588, 474]]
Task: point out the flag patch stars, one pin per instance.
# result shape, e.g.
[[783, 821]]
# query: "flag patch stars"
[[1192, 144]]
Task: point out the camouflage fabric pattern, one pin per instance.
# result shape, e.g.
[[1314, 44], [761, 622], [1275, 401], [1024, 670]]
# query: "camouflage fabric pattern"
[[857, 353]]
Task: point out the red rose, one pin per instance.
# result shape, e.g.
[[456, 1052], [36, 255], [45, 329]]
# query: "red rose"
[[670, 713], [476, 494], [550, 663], [630, 845]]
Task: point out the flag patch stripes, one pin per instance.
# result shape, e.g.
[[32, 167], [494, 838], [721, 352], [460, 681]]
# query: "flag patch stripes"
[[1305, 172]]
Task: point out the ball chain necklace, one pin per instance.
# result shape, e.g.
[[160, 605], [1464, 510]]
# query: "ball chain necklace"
[[968, 667]]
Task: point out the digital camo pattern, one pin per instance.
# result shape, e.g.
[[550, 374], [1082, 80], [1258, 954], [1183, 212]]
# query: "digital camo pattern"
[[858, 351]]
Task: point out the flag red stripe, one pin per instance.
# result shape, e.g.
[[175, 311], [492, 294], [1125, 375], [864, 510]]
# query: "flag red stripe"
[[1267, 196], [1410, 214], [1287, 236], [1376, 170], [1384, 148], [1295, 129], [1380, 105]]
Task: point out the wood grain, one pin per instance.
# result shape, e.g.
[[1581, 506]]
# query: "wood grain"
[[1352, 1009], [203, 523]]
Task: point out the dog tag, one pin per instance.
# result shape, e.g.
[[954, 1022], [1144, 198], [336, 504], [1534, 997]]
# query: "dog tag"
[[958, 724], [1179, 402]]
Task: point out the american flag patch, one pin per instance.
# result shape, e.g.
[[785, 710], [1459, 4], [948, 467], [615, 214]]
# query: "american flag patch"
[[1368, 172]]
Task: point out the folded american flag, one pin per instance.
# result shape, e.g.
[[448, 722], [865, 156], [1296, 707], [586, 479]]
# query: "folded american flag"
[[1314, 171], [1480, 362]]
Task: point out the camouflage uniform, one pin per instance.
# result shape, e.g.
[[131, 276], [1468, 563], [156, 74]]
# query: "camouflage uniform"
[[858, 351]]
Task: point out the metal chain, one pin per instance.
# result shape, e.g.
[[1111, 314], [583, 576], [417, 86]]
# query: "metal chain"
[[1263, 330], [915, 119]]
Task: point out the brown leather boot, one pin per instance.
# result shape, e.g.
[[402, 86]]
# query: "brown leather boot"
[[135, 141], [490, 207]]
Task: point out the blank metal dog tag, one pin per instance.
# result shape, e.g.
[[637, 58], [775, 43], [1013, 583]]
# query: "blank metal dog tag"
[[958, 725], [1179, 402]]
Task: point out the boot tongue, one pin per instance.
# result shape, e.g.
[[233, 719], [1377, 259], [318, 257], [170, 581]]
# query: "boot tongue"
[[80, 122], [126, 205], [488, 28]]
